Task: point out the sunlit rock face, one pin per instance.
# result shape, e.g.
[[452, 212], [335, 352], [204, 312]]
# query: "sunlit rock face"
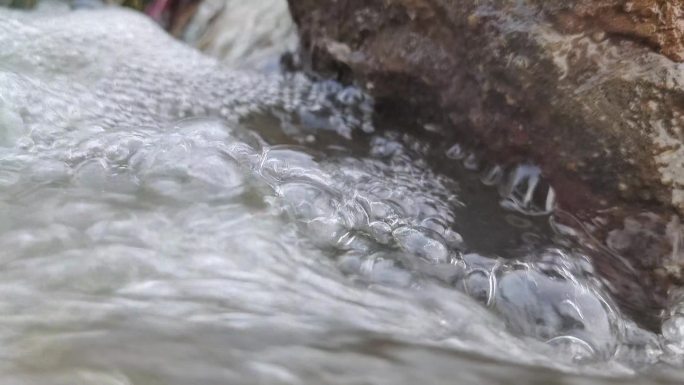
[[131, 73], [164, 219], [657, 23]]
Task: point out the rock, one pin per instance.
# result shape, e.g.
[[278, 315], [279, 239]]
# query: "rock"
[[590, 90], [655, 22]]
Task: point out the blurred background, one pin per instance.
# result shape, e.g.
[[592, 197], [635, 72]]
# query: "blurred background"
[[242, 34]]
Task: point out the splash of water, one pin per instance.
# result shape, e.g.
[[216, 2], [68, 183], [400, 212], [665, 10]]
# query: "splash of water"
[[255, 244]]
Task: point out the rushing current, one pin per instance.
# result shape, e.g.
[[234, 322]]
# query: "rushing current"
[[166, 220]]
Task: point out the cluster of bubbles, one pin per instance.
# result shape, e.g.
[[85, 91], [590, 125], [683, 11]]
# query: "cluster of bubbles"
[[107, 75], [99, 176]]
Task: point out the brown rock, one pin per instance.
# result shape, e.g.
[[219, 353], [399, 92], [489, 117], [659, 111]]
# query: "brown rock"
[[588, 89], [658, 23]]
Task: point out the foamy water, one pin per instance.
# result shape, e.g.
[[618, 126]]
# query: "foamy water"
[[167, 220]]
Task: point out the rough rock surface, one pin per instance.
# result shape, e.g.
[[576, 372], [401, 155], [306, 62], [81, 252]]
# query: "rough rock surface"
[[656, 22], [591, 90]]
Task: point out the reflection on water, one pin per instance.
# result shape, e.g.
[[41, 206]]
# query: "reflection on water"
[[164, 220]]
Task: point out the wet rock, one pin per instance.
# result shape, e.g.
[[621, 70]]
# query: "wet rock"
[[590, 90], [655, 22]]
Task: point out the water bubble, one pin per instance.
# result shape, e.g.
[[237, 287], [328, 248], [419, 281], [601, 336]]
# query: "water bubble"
[[455, 152], [423, 243], [471, 162], [375, 268], [574, 348], [525, 192], [92, 174], [481, 285], [381, 232], [493, 176], [554, 309]]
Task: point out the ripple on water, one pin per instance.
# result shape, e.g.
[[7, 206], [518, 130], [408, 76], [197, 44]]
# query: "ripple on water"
[[138, 248]]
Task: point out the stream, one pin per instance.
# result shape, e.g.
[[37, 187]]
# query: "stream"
[[168, 220]]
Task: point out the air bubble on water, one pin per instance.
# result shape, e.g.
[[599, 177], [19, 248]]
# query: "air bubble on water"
[[550, 202], [117, 153], [367, 126], [493, 176], [375, 268], [481, 285], [306, 201], [479, 278], [471, 162], [521, 184], [355, 241], [381, 232], [435, 224], [574, 348], [525, 192], [350, 96], [92, 174], [386, 210], [546, 307], [440, 226], [326, 232], [383, 147], [422, 242], [455, 152], [353, 213], [454, 239]]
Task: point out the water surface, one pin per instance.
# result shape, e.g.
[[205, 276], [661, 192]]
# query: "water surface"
[[167, 220]]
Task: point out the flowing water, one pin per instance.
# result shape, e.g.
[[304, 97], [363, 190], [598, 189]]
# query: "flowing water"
[[167, 220]]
